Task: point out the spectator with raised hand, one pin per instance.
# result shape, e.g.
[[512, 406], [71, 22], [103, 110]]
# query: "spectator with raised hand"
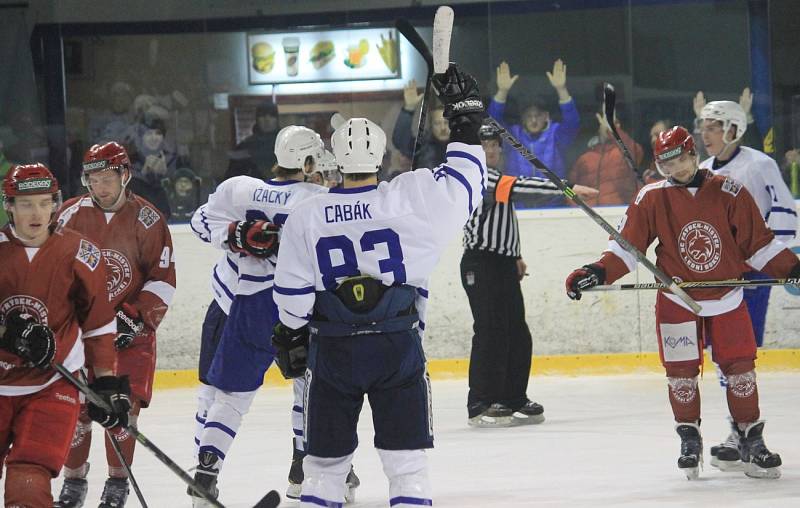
[[542, 136], [436, 135], [603, 166]]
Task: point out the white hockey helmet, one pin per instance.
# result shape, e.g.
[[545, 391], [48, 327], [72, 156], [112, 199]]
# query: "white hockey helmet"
[[729, 113], [294, 144], [359, 145]]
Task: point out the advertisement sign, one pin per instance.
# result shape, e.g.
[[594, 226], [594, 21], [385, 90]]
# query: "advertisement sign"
[[333, 55]]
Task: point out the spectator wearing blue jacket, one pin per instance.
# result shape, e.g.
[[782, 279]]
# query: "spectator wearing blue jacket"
[[546, 139]]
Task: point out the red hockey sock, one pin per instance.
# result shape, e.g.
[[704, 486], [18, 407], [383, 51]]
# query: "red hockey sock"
[[28, 485]]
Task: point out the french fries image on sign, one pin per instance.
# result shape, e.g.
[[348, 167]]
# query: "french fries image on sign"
[[263, 57], [388, 51]]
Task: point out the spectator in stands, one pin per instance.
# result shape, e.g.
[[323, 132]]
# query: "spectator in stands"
[[116, 122], [151, 154], [651, 174], [603, 166], [546, 138], [435, 136], [183, 192], [5, 165], [260, 145]]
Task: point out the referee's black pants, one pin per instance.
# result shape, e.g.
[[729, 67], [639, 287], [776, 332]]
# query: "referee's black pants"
[[500, 361]]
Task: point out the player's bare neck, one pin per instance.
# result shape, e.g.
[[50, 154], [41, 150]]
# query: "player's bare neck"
[[349, 184], [298, 177]]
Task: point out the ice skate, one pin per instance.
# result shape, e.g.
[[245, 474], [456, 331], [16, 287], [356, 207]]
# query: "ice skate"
[[351, 484], [757, 460], [73, 493], [496, 415], [691, 459], [295, 475], [205, 476], [115, 493], [529, 414], [725, 456]]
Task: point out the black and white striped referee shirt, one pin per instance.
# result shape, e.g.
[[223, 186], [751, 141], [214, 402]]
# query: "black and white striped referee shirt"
[[493, 226]]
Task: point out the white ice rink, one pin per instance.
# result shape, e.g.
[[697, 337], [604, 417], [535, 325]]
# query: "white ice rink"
[[607, 441]]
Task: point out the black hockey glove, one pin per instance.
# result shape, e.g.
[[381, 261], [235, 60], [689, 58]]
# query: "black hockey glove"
[[795, 275], [29, 340], [583, 278], [463, 106], [292, 347], [128, 327], [258, 238], [116, 392]]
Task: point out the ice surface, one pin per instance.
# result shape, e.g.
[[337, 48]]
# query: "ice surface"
[[607, 441]]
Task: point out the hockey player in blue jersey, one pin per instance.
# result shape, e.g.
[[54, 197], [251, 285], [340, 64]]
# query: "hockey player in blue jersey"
[[351, 286], [242, 218]]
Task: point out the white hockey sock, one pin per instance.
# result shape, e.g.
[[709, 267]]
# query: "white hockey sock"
[[299, 387], [324, 482], [205, 397], [407, 471], [223, 420]]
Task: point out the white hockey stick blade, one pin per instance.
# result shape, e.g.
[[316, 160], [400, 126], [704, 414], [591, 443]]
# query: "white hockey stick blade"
[[337, 120], [442, 31]]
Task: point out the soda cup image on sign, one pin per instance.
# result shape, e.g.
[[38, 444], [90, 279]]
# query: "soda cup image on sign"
[[263, 57], [291, 48]]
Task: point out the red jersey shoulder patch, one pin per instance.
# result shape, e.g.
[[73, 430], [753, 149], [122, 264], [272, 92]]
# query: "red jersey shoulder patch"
[[731, 186], [88, 254], [148, 216]]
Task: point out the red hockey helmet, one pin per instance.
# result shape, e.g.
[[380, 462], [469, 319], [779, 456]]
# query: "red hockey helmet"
[[99, 158], [670, 144], [29, 180]]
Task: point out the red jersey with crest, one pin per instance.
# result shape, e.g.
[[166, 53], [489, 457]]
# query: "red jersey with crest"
[[713, 231], [63, 285], [137, 248]]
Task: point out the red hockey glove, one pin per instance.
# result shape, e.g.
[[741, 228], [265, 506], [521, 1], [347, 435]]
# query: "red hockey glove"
[[257, 238], [584, 278]]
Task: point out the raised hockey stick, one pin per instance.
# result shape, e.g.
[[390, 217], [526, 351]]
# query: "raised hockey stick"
[[709, 284], [413, 37], [609, 104], [121, 458], [641, 258], [271, 500]]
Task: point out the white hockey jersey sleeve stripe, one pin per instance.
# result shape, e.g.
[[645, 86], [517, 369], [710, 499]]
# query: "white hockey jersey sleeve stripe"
[[161, 289], [459, 154], [294, 291], [110, 327], [222, 285], [626, 257], [460, 178], [766, 253], [199, 224]]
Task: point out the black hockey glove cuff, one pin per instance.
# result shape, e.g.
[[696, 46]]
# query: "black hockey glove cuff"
[[292, 350], [116, 393], [29, 340], [128, 328]]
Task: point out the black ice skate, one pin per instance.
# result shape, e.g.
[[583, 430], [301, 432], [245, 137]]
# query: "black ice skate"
[[115, 493], [529, 414], [691, 459], [73, 493], [295, 475], [205, 476], [758, 461], [351, 484], [725, 456], [496, 415]]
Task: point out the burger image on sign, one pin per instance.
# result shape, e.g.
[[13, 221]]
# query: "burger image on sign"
[[322, 53], [263, 57]]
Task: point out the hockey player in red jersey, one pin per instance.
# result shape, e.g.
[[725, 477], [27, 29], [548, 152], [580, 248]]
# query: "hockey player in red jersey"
[[53, 309], [137, 250], [708, 228]]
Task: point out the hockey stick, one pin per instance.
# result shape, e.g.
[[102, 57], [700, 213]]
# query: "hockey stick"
[[710, 284], [121, 458], [271, 500], [413, 37], [609, 104], [641, 258]]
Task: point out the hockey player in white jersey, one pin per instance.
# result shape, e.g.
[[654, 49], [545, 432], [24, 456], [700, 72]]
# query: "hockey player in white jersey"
[[723, 125], [351, 285], [243, 218]]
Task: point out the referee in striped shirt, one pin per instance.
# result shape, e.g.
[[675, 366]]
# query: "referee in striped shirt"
[[491, 271]]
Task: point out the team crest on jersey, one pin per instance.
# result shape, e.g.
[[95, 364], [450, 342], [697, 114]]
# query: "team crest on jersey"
[[119, 273], [24, 304], [731, 186], [700, 246], [89, 255], [148, 216]]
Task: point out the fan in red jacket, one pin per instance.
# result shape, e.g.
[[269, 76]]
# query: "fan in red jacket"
[[137, 250], [708, 228], [53, 309]]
